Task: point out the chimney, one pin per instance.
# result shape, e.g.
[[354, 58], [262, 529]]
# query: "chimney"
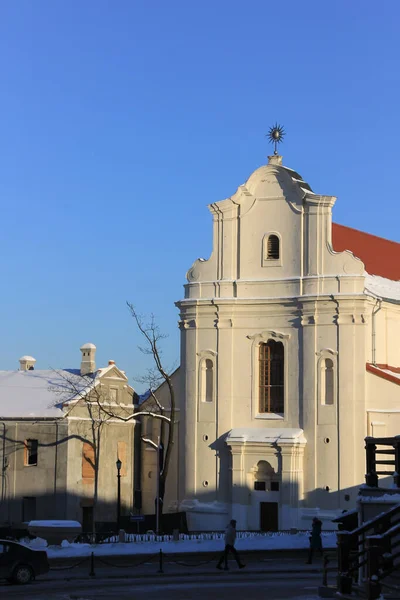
[[88, 362], [27, 363], [111, 362]]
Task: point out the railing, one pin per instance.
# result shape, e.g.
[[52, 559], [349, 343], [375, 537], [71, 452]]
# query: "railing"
[[374, 461], [355, 550], [383, 554], [111, 537]]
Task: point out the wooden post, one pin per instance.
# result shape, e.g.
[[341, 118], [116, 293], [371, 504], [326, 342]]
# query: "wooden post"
[[374, 555], [396, 476], [371, 478], [344, 579]]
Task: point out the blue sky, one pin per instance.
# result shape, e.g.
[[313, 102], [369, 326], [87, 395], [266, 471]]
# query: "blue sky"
[[121, 120]]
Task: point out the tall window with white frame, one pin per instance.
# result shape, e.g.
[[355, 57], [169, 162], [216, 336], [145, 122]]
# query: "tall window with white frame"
[[271, 377]]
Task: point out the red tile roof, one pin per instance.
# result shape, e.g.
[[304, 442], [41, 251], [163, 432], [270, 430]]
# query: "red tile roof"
[[386, 372], [380, 256]]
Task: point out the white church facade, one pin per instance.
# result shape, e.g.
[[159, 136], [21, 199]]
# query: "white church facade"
[[290, 356]]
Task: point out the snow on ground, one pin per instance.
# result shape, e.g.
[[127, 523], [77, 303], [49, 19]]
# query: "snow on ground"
[[273, 541]]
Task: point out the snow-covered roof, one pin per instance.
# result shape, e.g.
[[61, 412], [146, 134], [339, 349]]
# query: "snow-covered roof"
[[266, 435], [35, 393], [385, 371], [387, 289]]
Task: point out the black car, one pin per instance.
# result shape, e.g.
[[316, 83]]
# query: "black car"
[[20, 564]]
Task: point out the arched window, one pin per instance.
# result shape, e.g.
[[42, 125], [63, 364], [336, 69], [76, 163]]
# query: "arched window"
[[207, 380], [271, 377], [273, 247], [327, 381]]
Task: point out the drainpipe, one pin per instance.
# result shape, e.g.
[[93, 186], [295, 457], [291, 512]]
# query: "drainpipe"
[[3, 467], [55, 463], [374, 312]]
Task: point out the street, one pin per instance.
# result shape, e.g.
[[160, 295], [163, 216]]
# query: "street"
[[238, 585]]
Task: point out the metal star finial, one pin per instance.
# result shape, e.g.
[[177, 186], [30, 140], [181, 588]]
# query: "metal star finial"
[[276, 135]]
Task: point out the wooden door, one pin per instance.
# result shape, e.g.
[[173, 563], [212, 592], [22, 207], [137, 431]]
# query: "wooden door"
[[87, 519], [268, 516]]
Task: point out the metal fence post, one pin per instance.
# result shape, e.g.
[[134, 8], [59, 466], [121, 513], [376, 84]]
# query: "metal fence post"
[[160, 563], [325, 571], [92, 573]]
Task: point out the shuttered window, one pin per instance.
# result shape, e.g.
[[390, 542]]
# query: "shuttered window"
[[88, 461], [271, 379], [273, 247]]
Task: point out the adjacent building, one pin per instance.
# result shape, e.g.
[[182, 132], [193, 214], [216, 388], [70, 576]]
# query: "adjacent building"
[[60, 437]]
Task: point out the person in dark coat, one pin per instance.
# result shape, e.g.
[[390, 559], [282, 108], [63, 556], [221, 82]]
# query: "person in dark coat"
[[315, 539], [230, 538]]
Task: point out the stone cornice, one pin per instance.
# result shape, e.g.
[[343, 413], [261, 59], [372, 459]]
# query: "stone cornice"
[[268, 334]]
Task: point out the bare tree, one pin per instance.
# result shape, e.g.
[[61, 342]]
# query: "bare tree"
[[154, 378], [85, 395]]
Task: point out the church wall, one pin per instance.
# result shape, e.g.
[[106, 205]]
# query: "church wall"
[[310, 298], [382, 395], [384, 423]]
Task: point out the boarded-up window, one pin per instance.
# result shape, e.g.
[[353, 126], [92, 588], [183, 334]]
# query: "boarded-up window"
[[123, 457], [88, 461]]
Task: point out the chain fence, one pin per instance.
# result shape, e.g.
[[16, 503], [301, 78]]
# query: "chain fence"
[[69, 567], [159, 560]]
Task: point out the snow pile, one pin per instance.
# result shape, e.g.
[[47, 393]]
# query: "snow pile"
[[385, 499], [36, 544], [272, 541], [58, 524]]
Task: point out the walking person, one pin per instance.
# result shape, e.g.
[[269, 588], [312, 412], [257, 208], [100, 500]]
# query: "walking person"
[[230, 538], [315, 539]]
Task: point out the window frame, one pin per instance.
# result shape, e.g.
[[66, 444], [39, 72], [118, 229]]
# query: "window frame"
[[88, 468], [204, 356], [266, 376], [28, 452], [256, 339], [324, 355], [271, 262]]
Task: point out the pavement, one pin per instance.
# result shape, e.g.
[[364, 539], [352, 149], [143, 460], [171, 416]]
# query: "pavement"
[[273, 574], [238, 585], [174, 565]]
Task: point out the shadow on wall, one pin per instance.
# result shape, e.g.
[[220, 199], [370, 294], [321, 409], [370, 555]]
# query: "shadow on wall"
[[34, 480]]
